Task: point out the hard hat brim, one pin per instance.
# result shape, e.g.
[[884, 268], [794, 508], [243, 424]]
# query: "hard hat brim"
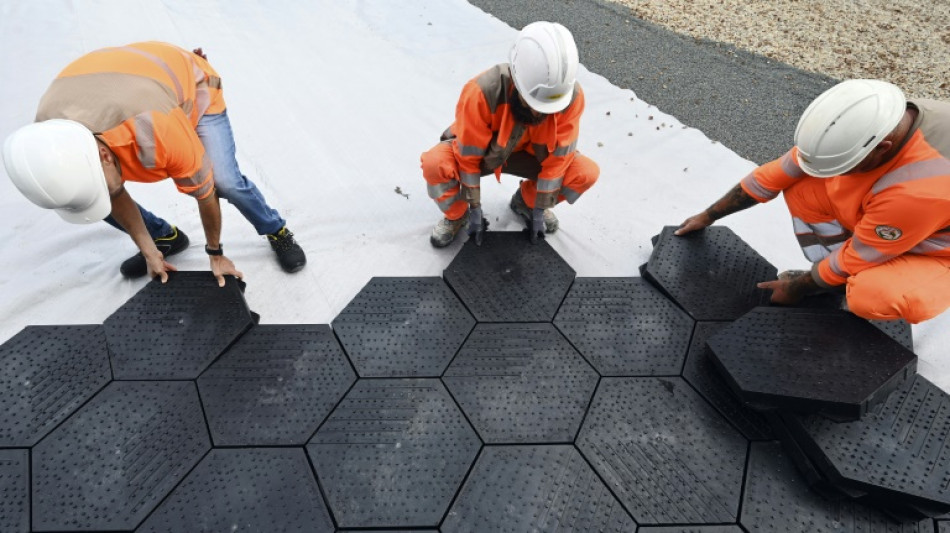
[[100, 209], [549, 107]]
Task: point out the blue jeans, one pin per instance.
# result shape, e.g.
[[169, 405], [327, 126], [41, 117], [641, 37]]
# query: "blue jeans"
[[218, 140]]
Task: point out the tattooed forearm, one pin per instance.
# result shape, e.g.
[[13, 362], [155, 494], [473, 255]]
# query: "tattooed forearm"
[[803, 284], [734, 200]]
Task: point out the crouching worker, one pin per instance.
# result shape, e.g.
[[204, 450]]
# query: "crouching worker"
[[520, 118], [143, 112], [868, 187]]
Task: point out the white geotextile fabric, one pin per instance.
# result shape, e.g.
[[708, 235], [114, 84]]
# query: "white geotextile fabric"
[[331, 104]]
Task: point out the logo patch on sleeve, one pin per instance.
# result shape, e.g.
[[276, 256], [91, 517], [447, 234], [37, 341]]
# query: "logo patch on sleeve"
[[888, 233]]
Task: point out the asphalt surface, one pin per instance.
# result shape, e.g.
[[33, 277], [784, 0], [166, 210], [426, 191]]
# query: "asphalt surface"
[[747, 102]]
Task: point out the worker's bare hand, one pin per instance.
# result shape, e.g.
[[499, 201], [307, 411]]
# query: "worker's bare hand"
[[222, 266], [790, 287], [694, 223], [158, 267], [200, 53]]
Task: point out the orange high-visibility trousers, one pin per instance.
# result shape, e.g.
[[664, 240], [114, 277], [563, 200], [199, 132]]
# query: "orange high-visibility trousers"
[[910, 286], [440, 171]]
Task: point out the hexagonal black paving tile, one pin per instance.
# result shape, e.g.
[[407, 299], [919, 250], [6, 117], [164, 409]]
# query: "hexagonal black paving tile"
[[702, 374], [535, 488], [248, 490], [506, 279], [393, 454], [14, 491], [275, 385], [665, 452], [816, 360], [897, 452], [175, 330], [899, 330], [48, 372], [403, 327], [521, 383], [711, 273], [625, 327], [114, 460], [777, 499], [809, 473]]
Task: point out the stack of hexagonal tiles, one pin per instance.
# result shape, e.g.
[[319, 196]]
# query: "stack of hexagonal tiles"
[[840, 393], [505, 396]]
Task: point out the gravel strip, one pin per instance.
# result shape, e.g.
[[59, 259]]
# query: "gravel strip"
[[906, 42]]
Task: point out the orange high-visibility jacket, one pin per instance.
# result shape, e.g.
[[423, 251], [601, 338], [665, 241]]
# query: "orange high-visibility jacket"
[[485, 134], [144, 101], [900, 207]]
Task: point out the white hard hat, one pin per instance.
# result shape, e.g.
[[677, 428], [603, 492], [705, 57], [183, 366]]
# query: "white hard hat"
[[55, 164], [841, 127], [544, 66]]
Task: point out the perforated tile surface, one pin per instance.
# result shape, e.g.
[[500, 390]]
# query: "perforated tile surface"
[[175, 330], [668, 456], [777, 499], [393, 454], [401, 327], [899, 330], [48, 372], [108, 465], [14, 491], [625, 327], [567, 448], [702, 374], [506, 279], [711, 273], [535, 488], [810, 359], [275, 385], [899, 450], [245, 490], [521, 383]]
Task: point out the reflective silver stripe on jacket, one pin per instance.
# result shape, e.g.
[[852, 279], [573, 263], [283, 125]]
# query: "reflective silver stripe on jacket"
[[470, 179], [790, 166], [934, 243], [158, 61], [915, 171], [752, 185], [869, 253], [145, 139], [436, 191], [562, 151]]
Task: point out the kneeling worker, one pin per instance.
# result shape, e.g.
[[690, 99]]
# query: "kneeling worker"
[[868, 187], [142, 112]]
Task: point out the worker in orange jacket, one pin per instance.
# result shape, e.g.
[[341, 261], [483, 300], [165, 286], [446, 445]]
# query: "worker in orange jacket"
[[142, 112], [520, 118], [868, 187]]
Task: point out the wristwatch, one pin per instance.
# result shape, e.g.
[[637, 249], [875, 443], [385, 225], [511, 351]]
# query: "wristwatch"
[[219, 251]]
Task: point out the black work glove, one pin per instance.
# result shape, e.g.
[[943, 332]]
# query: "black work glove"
[[536, 228], [476, 225]]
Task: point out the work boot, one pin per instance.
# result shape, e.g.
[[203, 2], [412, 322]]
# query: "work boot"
[[521, 209], [289, 254], [445, 231], [169, 245]]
